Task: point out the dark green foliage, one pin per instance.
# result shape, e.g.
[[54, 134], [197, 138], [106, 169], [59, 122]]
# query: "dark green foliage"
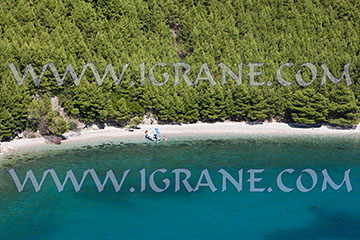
[[212, 103], [343, 108], [241, 106], [259, 107], [6, 124], [195, 32], [308, 106], [14, 102], [89, 103]]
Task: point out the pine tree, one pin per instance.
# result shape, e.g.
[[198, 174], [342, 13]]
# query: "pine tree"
[[259, 108], [6, 124], [308, 106], [241, 106], [343, 107]]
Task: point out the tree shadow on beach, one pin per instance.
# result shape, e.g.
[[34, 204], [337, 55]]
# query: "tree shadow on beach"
[[304, 125]]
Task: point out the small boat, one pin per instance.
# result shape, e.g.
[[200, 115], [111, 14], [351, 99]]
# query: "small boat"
[[154, 135], [150, 137]]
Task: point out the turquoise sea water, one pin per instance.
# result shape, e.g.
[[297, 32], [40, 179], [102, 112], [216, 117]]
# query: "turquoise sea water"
[[203, 214]]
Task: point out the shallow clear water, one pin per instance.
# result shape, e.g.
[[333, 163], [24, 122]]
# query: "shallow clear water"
[[203, 214]]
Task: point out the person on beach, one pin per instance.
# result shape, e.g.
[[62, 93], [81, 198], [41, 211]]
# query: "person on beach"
[[165, 138]]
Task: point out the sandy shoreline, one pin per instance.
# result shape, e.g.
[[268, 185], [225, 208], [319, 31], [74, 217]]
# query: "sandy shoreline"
[[173, 131]]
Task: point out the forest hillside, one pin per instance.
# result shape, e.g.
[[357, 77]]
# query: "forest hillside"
[[144, 33]]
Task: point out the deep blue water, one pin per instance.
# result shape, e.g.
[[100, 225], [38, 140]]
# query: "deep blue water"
[[203, 214]]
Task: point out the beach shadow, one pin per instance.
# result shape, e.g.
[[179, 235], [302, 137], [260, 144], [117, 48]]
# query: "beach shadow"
[[342, 127], [254, 123], [326, 225], [304, 125]]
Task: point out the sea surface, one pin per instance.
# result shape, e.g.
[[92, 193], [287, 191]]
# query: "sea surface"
[[138, 211]]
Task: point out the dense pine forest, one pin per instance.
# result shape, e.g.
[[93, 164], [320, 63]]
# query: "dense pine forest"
[[194, 32]]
